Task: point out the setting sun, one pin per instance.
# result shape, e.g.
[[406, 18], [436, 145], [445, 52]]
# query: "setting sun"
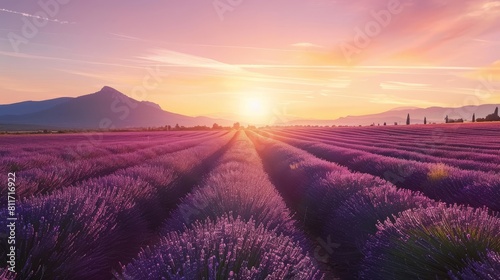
[[255, 109]]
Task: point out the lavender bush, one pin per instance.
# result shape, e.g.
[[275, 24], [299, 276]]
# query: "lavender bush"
[[237, 186], [487, 268], [5, 274], [225, 249], [329, 193], [430, 243], [314, 187], [80, 233], [356, 219], [478, 196]]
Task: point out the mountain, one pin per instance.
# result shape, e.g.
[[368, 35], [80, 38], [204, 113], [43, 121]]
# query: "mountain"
[[107, 108], [417, 115], [404, 108], [28, 107]]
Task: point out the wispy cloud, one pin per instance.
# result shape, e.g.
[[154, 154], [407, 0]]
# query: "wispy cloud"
[[69, 60], [173, 58], [427, 30], [485, 8], [338, 83], [489, 73], [306, 45], [403, 85], [19, 85], [486, 41], [381, 67], [96, 75], [126, 37], [401, 101], [37, 17]]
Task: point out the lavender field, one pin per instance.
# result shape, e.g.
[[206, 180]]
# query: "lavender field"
[[387, 202]]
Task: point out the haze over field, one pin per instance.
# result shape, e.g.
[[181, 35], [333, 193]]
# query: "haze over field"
[[317, 59]]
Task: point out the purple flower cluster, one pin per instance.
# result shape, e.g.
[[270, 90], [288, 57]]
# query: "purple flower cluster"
[[6, 274], [61, 173], [79, 232], [227, 248], [356, 219], [237, 186], [486, 268], [430, 243]]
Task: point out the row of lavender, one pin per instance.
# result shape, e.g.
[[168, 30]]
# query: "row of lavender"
[[234, 225], [19, 153], [40, 175], [84, 231], [369, 229], [465, 159], [440, 139], [456, 135], [436, 180]]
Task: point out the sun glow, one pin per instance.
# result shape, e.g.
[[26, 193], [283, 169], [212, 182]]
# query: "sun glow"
[[255, 110]]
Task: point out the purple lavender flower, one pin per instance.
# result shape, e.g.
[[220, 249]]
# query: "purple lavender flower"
[[486, 268], [80, 232], [357, 218], [225, 249], [239, 187], [5, 274], [430, 243]]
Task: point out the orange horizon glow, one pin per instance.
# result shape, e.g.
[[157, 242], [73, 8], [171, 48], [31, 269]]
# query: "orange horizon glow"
[[312, 59]]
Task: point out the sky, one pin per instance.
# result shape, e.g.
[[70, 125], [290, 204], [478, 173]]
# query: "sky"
[[255, 59]]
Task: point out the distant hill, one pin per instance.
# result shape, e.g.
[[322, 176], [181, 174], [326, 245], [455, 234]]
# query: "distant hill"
[[433, 115], [28, 107], [403, 108], [107, 108]]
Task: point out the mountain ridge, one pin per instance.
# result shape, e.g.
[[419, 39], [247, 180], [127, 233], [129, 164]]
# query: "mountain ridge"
[[27, 107], [107, 108], [433, 114]]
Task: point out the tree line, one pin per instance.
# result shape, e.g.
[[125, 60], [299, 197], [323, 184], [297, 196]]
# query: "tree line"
[[494, 117]]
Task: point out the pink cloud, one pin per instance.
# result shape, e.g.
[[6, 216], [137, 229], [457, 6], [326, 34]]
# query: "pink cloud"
[[426, 30]]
